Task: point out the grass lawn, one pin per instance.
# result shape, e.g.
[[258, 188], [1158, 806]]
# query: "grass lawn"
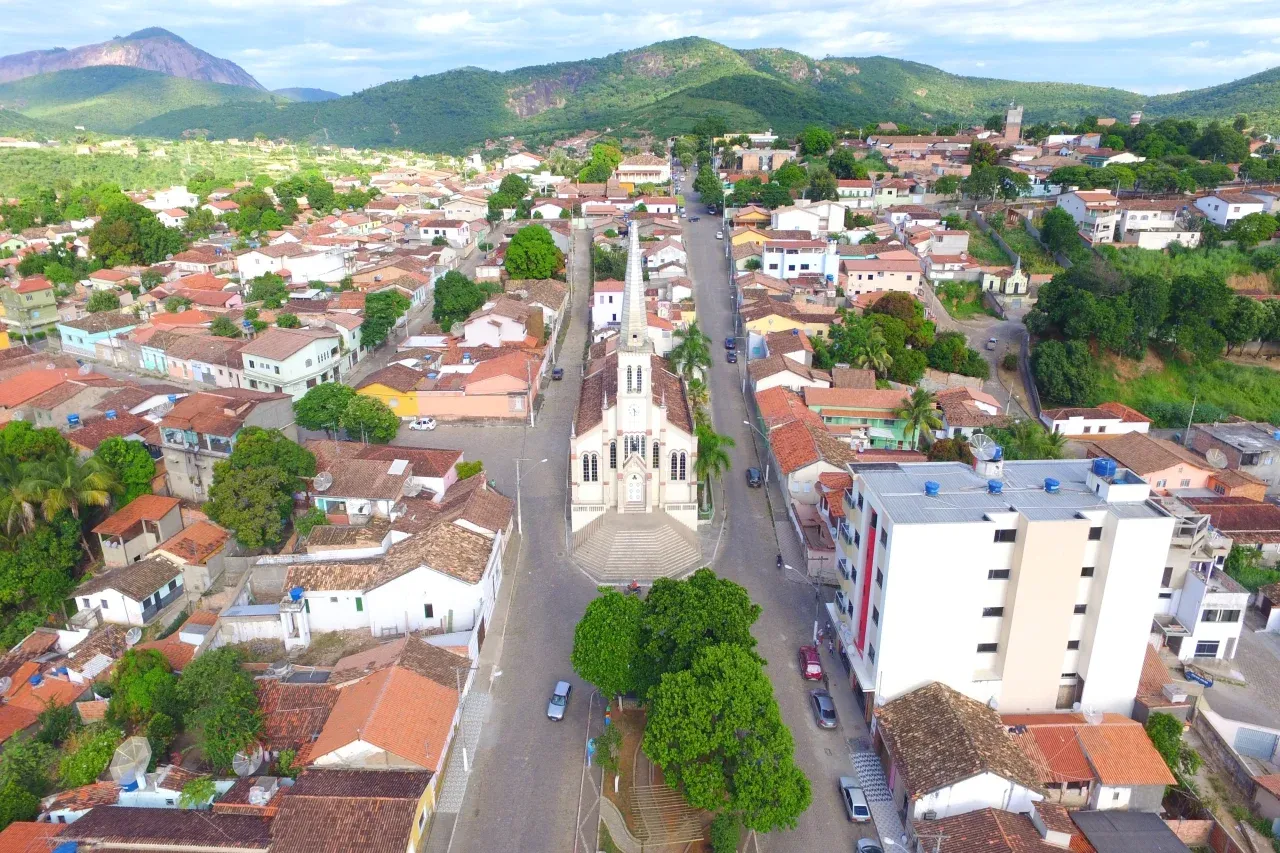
[[962, 299], [1035, 259], [982, 248], [1250, 392]]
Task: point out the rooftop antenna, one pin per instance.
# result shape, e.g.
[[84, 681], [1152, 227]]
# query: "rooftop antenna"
[[132, 636]]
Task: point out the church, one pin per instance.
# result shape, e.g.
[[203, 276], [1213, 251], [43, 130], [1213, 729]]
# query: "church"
[[632, 448]]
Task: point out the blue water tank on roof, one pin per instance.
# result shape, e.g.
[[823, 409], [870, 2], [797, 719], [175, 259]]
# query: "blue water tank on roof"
[[931, 488], [995, 487], [295, 593]]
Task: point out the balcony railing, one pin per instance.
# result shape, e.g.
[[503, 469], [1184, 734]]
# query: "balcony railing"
[[149, 612]]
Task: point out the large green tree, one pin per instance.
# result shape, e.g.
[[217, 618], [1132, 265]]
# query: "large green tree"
[[128, 233], [381, 313], [606, 642], [919, 412], [141, 686], [103, 300], [370, 419], [532, 253], [682, 617], [255, 505], [816, 141], [715, 730], [132, 465], [456, 298], [221, 706], [322, 406]]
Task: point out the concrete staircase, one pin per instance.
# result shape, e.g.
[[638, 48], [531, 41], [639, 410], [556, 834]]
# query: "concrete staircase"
[[640, 547]]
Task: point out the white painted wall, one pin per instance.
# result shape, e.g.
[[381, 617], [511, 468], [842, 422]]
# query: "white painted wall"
[[986, 790]]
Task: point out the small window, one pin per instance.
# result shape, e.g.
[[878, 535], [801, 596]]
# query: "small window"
[[875, 615], [1074, 785], [86, 602], [1165, 596], [879, 578], [104, 603], [429, 610], [333, 599], [1079, 609], [871, 653], [884, 536], [1086, 572], [987, 648], [1095, 533], [359, 604], [168, 802], [1009, 535], [992, 611], [1073, 645], [306, 604], [998, 575], [1186, 483]]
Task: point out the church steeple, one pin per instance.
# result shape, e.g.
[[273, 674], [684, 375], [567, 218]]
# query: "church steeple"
[[634, 332]]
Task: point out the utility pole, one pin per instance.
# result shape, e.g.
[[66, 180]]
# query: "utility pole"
[[1186, 439]]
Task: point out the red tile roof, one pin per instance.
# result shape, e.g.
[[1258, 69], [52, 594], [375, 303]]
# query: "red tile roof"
[[27, 836], [196, 542], [141, 508]]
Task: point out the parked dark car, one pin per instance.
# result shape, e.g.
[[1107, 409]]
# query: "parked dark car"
[[754, 480], [557, 373], [730, 343], [731, 356]]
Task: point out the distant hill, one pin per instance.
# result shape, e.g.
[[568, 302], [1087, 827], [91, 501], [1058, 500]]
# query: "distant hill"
[[665, 87], [25, 127], [306, 95], [152, 49], [113, 99]]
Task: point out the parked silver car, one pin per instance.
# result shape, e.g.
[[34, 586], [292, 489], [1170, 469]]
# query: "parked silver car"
[[559, 701], [855, 802], [824, 709]]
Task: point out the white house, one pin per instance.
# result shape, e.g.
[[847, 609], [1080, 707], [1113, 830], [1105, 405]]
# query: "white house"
[[948, 754], [644, 169], [302, 263], [788, 259], [818, 218], [175, 196], [465, 208], [1096, 213], [291, 361], [606, 303], [778, 370], [456, 231], [174, 217], [1107, 419], [1224, 209], [132, 594], [522, 161], [550, 208], [502, 321], [221, 208], [869, 275], [659, 204], [855, 194], [668, 251]]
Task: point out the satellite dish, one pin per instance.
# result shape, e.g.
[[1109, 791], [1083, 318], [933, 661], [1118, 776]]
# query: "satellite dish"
[[322, 481], [19, 416], [132, 636], [984, 447], [247, 763], [130, 762], [412, 488], [5, 684], [164, 408], [1216, 458]]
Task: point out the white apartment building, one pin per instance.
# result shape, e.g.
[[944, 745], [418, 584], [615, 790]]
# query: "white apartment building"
[[1024, 584], [1095, 213], [301, 263], [855, 194], [175, 196], [788, 259], [291, 361]]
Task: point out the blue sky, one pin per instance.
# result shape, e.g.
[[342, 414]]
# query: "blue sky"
[[345, 45]]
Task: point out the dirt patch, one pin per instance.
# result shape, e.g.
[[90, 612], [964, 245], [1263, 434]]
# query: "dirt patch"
[[332, 646], [1258, 282], [1127, 369], [260, 651]]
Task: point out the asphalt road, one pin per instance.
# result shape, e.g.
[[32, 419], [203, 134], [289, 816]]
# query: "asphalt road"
[[524, 786], [754, 534]]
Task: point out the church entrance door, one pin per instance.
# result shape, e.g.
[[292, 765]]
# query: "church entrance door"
[[635, 489]]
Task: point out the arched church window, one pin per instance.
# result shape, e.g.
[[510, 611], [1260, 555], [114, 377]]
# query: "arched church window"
[[639, 379], [613, 454], [657, 463]]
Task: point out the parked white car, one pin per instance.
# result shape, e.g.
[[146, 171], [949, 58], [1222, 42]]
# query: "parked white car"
[[422, 423], [719, 235]]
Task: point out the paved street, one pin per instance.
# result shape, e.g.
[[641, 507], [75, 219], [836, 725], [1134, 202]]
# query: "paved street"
[[751, 540], [524, 787]]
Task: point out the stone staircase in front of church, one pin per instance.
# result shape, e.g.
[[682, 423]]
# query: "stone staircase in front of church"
[[640, 547]]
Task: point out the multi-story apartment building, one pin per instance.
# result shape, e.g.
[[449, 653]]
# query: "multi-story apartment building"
[[291, 361], [200, 430], [1025, 584], [1095, 213], [30, 306]]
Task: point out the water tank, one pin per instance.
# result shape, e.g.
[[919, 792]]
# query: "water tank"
[[995, 487], [1051, 485], [1276, 434], [111, 414], [36, 679], [1104, 467], [66, 847], [173, 398], [295, 593], [73, 420], [931, 488]]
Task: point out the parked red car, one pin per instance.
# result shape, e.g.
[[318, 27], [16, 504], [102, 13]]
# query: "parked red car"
[[810, 663]]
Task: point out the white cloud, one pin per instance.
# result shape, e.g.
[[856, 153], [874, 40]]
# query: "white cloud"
[[1199, 44]]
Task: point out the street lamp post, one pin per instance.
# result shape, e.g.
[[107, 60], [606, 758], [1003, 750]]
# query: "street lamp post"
[[766, 444], [519, 525]]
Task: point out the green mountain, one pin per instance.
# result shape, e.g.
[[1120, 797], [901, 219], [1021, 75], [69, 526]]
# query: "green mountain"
[[667, 87], [113, 99]]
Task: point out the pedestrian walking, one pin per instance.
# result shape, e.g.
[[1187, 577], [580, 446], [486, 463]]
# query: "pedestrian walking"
[[825, 685]]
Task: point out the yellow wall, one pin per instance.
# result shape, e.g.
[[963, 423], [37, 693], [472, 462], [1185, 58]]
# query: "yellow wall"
[[406, 405], [4, 340], [749, 236]]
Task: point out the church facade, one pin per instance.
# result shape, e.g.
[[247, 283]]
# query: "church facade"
[[632, 449]]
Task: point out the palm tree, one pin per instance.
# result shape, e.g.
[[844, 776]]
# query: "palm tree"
[[692, 353], [919, 411], [1052, 444], [696, 393], [873, 353], [17, 499], [66, 483], [713, 458]]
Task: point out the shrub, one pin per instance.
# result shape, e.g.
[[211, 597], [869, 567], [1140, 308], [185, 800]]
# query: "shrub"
[[725, 833], [1010, 361]]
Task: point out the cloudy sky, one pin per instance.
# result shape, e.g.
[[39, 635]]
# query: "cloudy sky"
[[1151, 46]]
